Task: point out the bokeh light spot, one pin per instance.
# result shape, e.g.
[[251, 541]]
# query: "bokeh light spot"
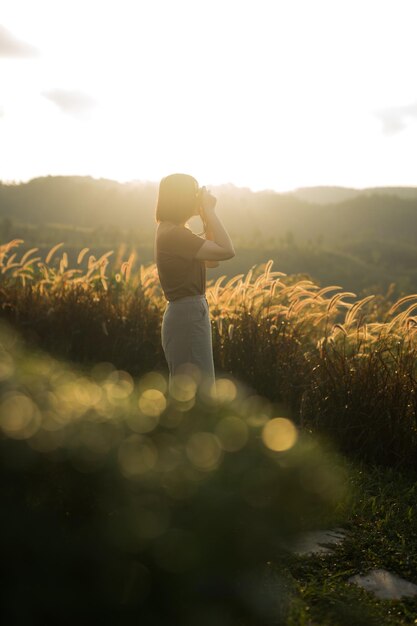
[[152, 402], [153, 380], [225, 390], [183, 387], [119, 385], [87, 392], [279, 434], [19, 416]]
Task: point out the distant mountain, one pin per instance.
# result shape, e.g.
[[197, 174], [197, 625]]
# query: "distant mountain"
[[329, 214], [80, 201], [334, 195], [325, 195], [408, 193]]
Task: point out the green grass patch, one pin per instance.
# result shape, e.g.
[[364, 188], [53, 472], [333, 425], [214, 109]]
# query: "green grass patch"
[[381, 520]]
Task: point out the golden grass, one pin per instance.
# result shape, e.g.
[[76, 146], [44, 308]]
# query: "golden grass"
[[268, 295]]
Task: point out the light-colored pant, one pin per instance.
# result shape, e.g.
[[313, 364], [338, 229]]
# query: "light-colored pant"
[[186, 337]]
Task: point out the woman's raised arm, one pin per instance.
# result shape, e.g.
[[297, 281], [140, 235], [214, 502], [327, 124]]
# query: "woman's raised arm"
[[219, 246]]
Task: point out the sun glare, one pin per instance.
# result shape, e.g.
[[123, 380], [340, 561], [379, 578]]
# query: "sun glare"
[[261, 95]]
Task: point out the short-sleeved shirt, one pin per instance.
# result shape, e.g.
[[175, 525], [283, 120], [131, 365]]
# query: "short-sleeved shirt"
[[180, 273]]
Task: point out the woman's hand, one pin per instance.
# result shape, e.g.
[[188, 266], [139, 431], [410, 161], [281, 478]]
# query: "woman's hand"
[[208, 202]]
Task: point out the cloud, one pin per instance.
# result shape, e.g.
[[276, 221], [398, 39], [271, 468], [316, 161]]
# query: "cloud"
[[395, 119], [11, 47], [74, 103]]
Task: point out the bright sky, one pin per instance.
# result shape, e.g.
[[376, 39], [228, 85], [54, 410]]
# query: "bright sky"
[[271, 94]]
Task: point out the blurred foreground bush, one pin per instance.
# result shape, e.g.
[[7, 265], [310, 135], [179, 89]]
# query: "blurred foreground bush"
[[127, 501]]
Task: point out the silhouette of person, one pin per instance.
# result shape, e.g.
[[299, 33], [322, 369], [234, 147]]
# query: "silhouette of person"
[[182, 257]]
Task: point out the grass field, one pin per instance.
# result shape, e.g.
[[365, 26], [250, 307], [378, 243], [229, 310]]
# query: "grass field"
[[341, 366]]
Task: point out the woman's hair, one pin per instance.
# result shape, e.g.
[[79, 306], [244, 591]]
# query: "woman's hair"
[[178, 198]]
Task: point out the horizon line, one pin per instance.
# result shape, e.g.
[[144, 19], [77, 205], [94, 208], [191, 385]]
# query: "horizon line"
[[17, 182]]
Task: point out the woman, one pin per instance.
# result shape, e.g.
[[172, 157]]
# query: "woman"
[[181, 259]]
